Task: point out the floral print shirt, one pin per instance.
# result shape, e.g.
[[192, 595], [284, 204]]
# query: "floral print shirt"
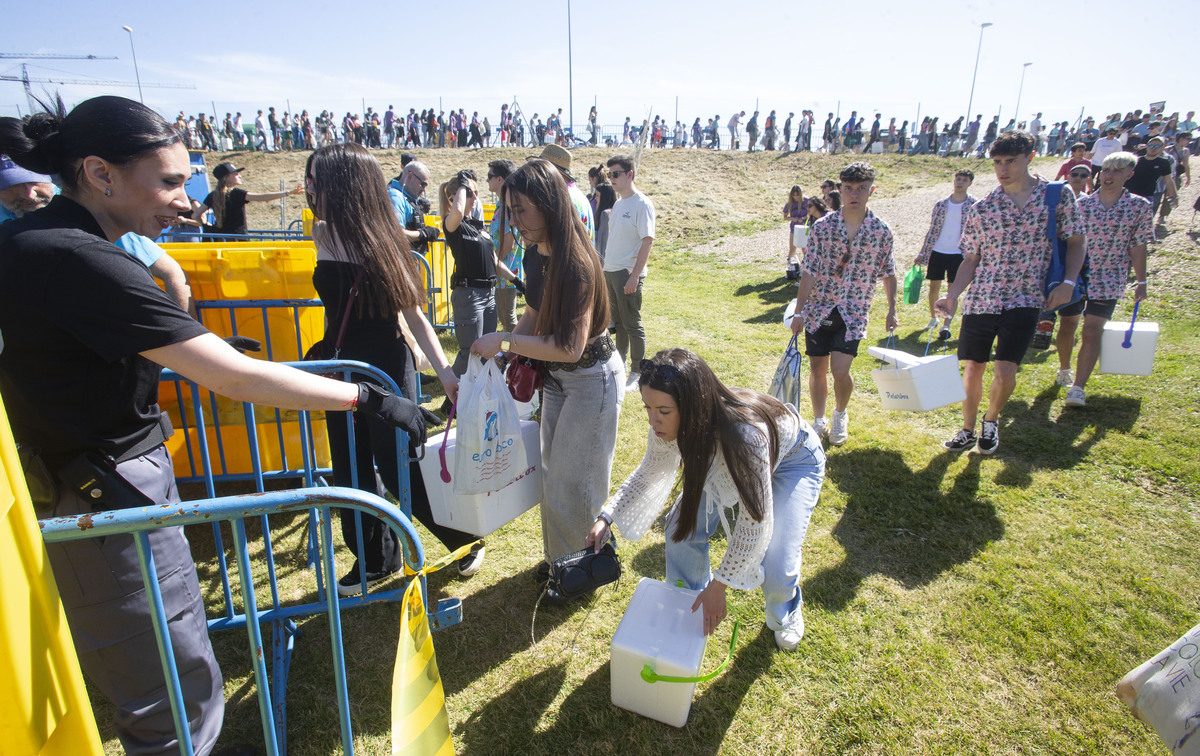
[[845, 270], [1110, 234], [1014, 253], [935, 227]]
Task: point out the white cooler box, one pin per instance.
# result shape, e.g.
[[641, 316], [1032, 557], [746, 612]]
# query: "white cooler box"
[[1138, 359], [916, 383], [658, 629], [480, 514]]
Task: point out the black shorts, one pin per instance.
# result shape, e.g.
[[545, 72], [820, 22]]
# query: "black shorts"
[[1101, 308], [830, 337], [942, 265], [1011, 330]]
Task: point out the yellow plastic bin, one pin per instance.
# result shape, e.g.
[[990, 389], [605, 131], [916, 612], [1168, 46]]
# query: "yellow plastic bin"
[[232, 271], [442, 264], [44, 707]]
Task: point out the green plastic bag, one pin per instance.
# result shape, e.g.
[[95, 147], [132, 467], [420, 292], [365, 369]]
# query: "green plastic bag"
[[912, 284]]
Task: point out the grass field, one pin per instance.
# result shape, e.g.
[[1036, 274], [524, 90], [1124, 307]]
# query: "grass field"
[[955, 604]]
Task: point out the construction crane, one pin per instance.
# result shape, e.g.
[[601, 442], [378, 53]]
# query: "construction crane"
[[26, 81]]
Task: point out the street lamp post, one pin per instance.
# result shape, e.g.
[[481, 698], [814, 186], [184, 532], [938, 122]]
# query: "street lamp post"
[[135, 68], [1017, 110], [978, 50], [570, 80]]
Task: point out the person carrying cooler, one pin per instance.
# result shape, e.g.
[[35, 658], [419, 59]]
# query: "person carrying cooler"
[[848, 251], [1119, 225], [736, 447]]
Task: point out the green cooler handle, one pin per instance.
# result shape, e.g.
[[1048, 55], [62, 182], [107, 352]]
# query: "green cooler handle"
[[650, 676]]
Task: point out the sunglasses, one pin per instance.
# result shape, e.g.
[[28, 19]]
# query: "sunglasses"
[[652, 372], [491, 176], [616, 174], [1080, 175]]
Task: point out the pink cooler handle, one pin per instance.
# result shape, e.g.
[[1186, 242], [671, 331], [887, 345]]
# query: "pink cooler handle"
[[442, 449]]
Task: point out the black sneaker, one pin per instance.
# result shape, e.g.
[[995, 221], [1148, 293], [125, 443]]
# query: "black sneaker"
[[350, 584], [989, 438], [961, 442], [1043, 335]]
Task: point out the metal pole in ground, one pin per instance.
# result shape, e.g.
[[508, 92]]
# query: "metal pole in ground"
[[978, 50]]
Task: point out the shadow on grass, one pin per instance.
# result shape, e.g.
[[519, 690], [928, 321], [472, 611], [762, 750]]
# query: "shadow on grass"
[[508, 723], [1048, 444], [774, 294], [588, 723], [497, 624], [900, 523]]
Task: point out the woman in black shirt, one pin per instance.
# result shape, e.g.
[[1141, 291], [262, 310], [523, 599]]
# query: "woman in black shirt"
[[228, 201], [473, 295], [85, 331]]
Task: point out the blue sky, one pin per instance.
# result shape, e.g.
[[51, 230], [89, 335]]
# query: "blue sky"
[[627, 56]]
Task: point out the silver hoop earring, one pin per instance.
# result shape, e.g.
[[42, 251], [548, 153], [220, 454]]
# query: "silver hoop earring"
[[108, 192]]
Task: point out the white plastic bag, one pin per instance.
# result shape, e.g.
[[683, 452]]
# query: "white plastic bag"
[[490, 452], [1164, 694]]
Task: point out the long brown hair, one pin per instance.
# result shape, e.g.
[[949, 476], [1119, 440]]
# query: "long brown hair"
[[711, 413], [220, 194], [350, 195], [574, 277]]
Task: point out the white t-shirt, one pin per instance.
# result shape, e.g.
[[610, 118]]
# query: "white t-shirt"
[[1103, 148], [631, 220], [947, 241]]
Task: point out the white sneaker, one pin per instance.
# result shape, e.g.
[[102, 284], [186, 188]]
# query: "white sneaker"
[[821, 426], [470, 564], [933, 323], [1076, 397], [632, 383], [1065, 378], [789, 639], [838, 431]]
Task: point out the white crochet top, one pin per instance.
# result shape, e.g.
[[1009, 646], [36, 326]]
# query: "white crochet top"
[[642, 496]]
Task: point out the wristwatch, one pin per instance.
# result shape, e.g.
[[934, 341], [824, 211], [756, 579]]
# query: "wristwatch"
[[506, 343]]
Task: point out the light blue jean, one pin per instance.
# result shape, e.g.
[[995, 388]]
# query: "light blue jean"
[[579, 438], [795, 488]]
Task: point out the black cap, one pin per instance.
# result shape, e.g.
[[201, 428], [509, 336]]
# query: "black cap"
[[224, 169]]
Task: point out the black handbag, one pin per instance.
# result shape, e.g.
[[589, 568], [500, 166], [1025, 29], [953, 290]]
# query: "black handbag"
[[582, 572]]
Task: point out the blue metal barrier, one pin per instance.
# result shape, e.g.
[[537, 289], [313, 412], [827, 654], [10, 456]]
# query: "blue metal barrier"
[[303, 467], [182, 234], [235, 509]]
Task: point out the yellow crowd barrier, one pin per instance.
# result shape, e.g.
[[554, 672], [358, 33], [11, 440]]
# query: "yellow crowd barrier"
[[44, 708]]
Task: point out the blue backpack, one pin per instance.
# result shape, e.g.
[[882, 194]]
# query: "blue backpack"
[[1058, 260]]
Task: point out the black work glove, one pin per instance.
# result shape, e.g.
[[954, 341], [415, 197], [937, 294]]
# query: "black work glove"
[[396, 411], [429, 233], [243, 343], [465, 177], [519, 285]]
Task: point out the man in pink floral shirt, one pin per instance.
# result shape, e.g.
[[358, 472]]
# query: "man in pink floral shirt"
[[848, 251], [1118, 225], [1006, 256]]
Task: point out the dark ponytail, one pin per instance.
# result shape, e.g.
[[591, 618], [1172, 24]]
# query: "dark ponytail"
[[55, 142]]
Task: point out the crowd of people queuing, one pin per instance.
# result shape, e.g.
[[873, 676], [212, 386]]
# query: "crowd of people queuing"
[[580, 261], [430, 129]]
